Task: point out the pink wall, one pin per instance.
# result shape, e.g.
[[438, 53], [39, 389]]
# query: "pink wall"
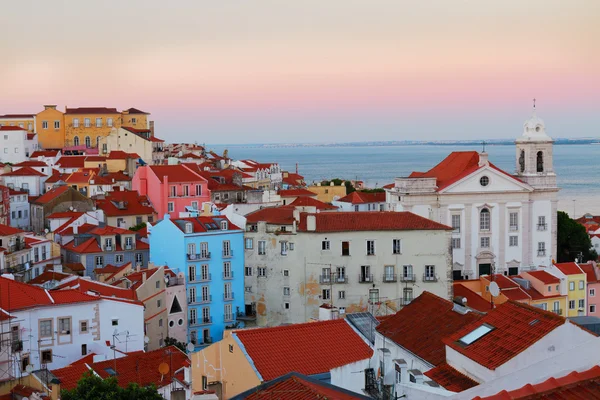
[[593, 300]]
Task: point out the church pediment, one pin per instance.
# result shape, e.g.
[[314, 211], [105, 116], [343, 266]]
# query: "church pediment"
[[488, 179]]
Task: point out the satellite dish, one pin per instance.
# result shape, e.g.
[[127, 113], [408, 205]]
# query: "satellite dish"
[[46, 230], [190, 347], [29, 368], [166, 278], [71, 208], [163, 368], [146, 339], [494, 289]]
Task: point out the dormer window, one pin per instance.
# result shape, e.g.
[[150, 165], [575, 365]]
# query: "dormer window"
[[188, 227], [224, 225]]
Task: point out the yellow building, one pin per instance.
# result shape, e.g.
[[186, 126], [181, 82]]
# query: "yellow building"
[[50, 127], [328, 193], [23, 121], [575, 280]]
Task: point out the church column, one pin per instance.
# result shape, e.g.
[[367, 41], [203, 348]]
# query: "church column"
[[502, 238], [527, 232], [554, 228], [467, 245]]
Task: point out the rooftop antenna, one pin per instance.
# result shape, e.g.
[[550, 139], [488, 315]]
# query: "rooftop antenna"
[[483, 143]]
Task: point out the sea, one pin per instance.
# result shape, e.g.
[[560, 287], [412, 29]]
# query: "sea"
[[577, 166]]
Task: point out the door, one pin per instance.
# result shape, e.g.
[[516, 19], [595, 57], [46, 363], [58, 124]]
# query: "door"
[[365, 273], [457, 275], [485, 269], [513, 271]]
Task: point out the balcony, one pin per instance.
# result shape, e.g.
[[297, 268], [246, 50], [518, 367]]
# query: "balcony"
[[205, 340], [228, 275], [390, 278], [541, 253], [201, 321], [240, 316], [365, 278], [228, 296], [200, 256], [202, 300], [205, 278], [228, 254], [16, 247], [175, 281], [408, 278], [558, 311], [430, 278], [514, 228], [406, 301], [228, 317], [340, 278], [542, 227], [325, 279]]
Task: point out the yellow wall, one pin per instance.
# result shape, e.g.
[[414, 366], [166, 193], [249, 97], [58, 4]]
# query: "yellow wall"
[[327, 193], [18, 122], [576, 294], [50, 138], [92, 131], [550, 303], [219, 364], [141, 120]]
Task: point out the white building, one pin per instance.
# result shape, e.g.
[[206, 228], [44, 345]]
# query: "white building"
[[25, 179], [19, 210], [55, 328], [49, 157], [362, 201], [16, 144], [500, 220], [131, 140], [377, 261]]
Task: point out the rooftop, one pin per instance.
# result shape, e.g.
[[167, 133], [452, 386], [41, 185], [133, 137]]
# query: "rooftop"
[[544, 277], [124, 202], [305, 201], [449, 378], [272, 215], [91, 110], [52, 194], [204, 224], [569, 268], [24, 171], [176, 173], [296, 193], [364, 197], [369, 221]]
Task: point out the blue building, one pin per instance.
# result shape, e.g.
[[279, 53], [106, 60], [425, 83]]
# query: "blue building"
[[210, 250]]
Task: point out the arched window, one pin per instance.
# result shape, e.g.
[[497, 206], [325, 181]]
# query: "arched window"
[[76, 141], [540, 161], [522, 161], [88, 141], [484, 220], [98, 141]]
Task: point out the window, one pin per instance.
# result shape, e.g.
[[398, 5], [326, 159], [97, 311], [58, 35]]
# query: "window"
[[186, 190], [262, 272], [88, 141], [192, 294], [592, 292], [170, 207], [581, 285], [581, 303], [342, 294], [198, 190], [46, 356], [158, 303], [109, 122], [397, 246], [83, 326], [195, 205], [224, 225], [541, 249], [485, 242], [99, 261], [286, 291], [407, 272], [345, 248], [286, 272], [204, 274], [64, 326], [325, 245], [571, 286], [227, 274], [456, 223], [284, 248], [456, 243], [262, 247], [326, 294], [540, 160], [119, 258], [370, 247], [158, 284], [249, 243], [44, 124], [16, 149], [544, 306], [513, 221], [76, 141], [556, 307], [87, 122], [389, 275], [513, 241], [160, 322], [248, 271], [430, 272], [98, 122], [484, 220], [571, 304], [84, 349], [286, 305], [592, 308], [188, 229], [476, 334], [541, 223], [46, 328], [133, 120], [226, 248], [139, 258], [204, 250], [115, 322], [173, 190], [56, 124]]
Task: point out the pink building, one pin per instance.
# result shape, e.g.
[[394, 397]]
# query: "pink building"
[[593, 288], [171, 188]]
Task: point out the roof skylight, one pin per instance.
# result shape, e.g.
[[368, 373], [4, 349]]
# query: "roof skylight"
[[476, 334]]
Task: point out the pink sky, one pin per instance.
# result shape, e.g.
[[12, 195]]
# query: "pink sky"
[[246, 72]]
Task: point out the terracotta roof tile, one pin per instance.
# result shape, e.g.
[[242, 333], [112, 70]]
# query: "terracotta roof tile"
[[83, 286], [70, 375], [24, 171], [65, 214], [47, 276], [514, 330], [6, 230], [474, 300], [44, 153], [204, 224], [450, 379], [569, 268], [296, 193], [124, 202], [51, 195], [589, 270], [369, 221], [544, 277], [17, 116], [272, 215], [308, 348], [91, 110], [136, 111], [176, 173], [71, 161], [24, 296], [364, 198], [11, 128], [421, 326], [31, 163], [305, 201]]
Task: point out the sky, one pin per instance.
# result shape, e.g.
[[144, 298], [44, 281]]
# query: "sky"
[[275, 71]]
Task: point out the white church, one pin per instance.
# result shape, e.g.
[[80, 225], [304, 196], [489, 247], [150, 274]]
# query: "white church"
[[501, 221]]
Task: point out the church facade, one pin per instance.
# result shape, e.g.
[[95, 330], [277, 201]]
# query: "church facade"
[[502, 222]]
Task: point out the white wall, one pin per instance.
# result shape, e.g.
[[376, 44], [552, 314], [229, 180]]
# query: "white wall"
[[14, 146], [32, 183], [20, 203], [350, 376]]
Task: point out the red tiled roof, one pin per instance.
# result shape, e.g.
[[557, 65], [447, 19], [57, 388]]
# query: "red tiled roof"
[[70, 375], [272, 215], [89, 246], [589, 271], [191, 155], [369, 221], [544, 277], [11, 128], [75, 267], [13, 192], [133, 203], [389, 186], [30, 136], [135, 130], [24, 171], [308, 348], [503, 281], [421, 326], [68, 229], [84, 286], [569, 268], [136, 278], [576, 385], [450, 379], [47, 276], [516, 294], [199, 224], [305, 201], [65, 214], [121, 155], [155, 139], [91, 110], [31, 163], [110, 269], [51, 195], [110, 230], [363, 198], [28, 392], [474, 300], [95, 158], [17, 116], [514, 330], [296, 193], [44, 153], [136, 111], [176, 173], [6, 230], [71, 161]]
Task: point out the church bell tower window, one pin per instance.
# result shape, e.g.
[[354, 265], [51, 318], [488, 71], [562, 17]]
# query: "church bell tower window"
[[540, 161]]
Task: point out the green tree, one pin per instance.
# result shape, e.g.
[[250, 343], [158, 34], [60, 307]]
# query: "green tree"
[[573, 241], [169, 341], [92, 387], [137, 227]]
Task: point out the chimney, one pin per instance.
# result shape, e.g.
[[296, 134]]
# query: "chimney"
[[311, 223], [58, 268], [151, 124], [483, 159], [418, 376], [143, 276], [50, 107], [75, 229]]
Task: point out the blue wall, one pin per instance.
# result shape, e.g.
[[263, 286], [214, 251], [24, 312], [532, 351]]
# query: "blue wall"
[[168, 246]]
